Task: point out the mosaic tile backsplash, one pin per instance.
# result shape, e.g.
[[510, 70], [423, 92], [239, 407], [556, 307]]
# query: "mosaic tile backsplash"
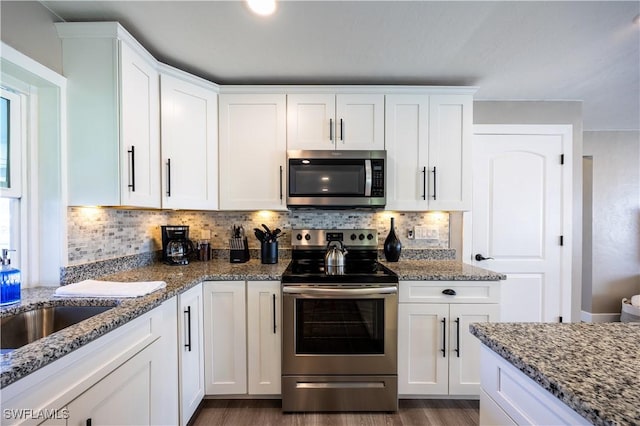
[[96, 234]]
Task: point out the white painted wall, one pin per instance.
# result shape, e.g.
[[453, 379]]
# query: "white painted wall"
[[27, 26], [615, 228]]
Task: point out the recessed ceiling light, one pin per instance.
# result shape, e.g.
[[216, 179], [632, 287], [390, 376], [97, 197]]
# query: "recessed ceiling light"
[[262, 7]]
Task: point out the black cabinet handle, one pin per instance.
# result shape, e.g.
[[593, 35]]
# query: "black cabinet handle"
[[342, 130], [444, 337], [168, 177], [424, 183], [274, 314], [434, 182], [132, 185], [331, 129], [280, 182], [188, 344], [449, 292], [458, 337], [480, 257]]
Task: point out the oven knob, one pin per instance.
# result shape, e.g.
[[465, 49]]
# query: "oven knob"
[[353, 237], [370, 237], [307, 237], [361, 237], [299, 237]]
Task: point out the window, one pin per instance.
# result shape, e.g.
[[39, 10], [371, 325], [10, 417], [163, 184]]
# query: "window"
[[10, 172]]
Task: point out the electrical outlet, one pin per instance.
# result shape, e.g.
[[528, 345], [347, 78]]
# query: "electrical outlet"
[[425, 233]]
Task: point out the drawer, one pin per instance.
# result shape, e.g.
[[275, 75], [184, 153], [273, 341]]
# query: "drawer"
[[461, 292]]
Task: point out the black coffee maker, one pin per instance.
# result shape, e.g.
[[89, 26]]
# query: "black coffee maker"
[[176, 246]]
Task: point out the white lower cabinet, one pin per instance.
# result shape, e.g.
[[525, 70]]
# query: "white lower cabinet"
[[240, 315], [190, 351], [437, 355], [128, 376]]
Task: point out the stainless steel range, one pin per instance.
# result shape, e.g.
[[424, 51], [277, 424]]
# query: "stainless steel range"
[[340, 326]]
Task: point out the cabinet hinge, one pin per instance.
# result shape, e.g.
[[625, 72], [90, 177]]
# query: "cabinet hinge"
[[561, 240], [561, 158]]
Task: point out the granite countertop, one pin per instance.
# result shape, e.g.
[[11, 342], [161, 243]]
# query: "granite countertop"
[[592, 368], [441, 270], [27, 359]]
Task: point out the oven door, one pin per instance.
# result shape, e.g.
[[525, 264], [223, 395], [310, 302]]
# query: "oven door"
[[329, 330]]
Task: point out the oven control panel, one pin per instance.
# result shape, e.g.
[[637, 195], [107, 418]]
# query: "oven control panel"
[[366, 238]]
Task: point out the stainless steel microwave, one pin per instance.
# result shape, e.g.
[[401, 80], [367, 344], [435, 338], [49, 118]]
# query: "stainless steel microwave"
[[336, 179]]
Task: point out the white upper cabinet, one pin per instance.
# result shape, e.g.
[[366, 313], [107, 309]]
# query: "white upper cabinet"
[[252, 151], [428, 142], [189, 141], [342, 121], [113, 115]]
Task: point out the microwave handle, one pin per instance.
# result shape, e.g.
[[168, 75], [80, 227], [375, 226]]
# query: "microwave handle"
[[368, 178]]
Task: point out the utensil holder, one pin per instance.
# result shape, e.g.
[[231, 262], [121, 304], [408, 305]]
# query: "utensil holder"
[[269, 252]]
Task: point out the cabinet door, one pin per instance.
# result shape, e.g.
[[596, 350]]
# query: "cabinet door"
[[464, 348], [359, 121], [311, 121], [189, 145], [422, 367], [407, 143], [264, 337], [225, 348], [190, 351], [139, 130], [450, 121], [252, 152], [122, 397]]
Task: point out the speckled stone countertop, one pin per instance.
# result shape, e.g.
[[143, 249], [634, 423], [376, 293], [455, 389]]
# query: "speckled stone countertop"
[[592, 368], [27, 359], [440, 270]]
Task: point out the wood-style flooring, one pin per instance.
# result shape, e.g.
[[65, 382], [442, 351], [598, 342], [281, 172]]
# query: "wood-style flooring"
[[267, 412]]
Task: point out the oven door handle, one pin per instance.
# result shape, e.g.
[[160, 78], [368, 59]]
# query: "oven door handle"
[[339, 292]]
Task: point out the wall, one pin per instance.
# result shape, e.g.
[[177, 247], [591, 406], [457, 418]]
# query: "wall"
[[96, 234], [615, 227], [547, 112], [27, 26]]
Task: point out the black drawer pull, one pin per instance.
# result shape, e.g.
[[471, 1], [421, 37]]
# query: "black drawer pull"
[[449, 292]]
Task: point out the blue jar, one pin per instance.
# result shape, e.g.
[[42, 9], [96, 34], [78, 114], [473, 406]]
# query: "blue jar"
[[9, 281]]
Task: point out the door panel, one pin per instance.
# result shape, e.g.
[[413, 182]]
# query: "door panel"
[[517, 220]]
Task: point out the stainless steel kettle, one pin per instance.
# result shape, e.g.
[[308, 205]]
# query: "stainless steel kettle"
[[334, 258]]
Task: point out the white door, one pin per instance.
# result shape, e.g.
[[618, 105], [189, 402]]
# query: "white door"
[[264, 337], [225, 337], [359, 121], [464, 348], [407, 145], [520, 193], [140, 131], [253, 145], [422, 335], [189, 145], [191, 352], [311, 121]]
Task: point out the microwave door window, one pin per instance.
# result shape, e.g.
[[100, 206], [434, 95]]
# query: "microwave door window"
[[343, 180]]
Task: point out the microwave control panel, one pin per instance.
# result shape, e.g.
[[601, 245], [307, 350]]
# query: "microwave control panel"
[[377, 181]]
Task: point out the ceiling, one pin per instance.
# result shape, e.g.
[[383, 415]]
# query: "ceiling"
[[518, 50]]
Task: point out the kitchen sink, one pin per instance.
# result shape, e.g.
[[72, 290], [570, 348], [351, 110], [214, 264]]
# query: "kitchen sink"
[[26, 327]]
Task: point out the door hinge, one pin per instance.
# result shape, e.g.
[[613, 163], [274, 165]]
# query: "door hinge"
[[561, 158], [561, 240], [560, 319]]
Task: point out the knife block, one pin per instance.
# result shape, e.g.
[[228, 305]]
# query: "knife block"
[[238, 250]]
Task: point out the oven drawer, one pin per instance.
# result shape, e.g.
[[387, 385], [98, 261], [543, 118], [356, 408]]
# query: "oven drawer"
[[449, 292], [339, 393]]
